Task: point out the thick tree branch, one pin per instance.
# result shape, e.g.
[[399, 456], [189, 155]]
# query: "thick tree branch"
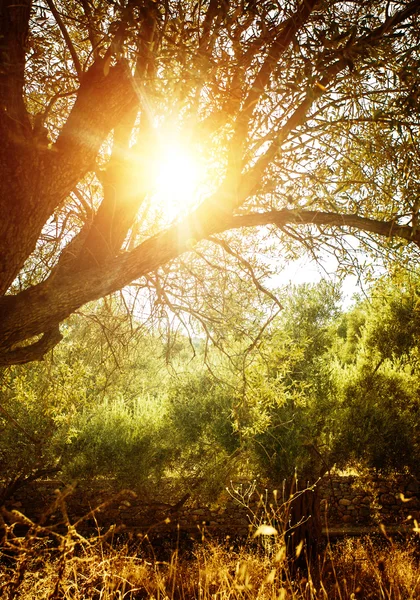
[[102, 101], [102, 238], [47, 177], [24, 315], [387, 229], [123, 193], [14, 21], [35, 351]]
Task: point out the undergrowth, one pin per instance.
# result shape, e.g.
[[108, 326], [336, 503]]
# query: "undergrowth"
[[52, 562], [72, 567]]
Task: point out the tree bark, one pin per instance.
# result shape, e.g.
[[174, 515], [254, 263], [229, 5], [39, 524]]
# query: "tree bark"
[[304, 532], [36, 180], [41, 308]]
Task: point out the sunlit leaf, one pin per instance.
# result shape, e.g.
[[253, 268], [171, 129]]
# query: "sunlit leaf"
[[265, 530]]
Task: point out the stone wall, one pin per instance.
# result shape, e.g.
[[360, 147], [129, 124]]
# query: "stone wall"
[[344, 500], [369, 500]]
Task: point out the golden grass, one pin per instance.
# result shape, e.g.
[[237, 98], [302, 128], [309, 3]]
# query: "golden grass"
[[71, 567]]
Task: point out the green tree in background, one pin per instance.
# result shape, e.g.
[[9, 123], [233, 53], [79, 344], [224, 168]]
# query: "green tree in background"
[[377, 379], [127, 442], [46, 407], [293, 361], [208, 446], [318, 388]]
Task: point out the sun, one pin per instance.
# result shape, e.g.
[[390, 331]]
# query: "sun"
[[178, 175]]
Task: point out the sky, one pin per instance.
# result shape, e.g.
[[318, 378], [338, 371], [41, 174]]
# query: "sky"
[[305, 270]]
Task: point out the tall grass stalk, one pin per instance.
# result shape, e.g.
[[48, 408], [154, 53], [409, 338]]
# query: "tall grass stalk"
[[57, 562]]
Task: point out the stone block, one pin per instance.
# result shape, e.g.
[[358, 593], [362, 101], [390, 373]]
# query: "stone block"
[[344, 502], [413, 487], [388, 499]]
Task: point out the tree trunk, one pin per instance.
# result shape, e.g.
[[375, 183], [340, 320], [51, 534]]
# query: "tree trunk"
[[304, 527]]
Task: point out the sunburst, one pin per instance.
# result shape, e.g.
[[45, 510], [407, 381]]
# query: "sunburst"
[[178, 177]]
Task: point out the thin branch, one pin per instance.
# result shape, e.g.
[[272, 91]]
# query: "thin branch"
[[343, 58], [287, 30], [67, 38], [91, 32], [223, 244]]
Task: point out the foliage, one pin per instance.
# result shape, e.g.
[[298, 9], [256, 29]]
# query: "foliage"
[[207, 448], [38, 406], [201, 407], [126, 442], [378, 418], [48, 410], [319, 387], [294, 362], [108, 403], [327, 388]]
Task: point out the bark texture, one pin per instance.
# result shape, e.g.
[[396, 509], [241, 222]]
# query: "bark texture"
[[304, 533]]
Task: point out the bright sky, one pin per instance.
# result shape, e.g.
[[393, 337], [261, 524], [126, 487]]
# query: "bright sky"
[[306, 270]]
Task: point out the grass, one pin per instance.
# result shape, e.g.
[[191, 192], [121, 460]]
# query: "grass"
[[46, 564]]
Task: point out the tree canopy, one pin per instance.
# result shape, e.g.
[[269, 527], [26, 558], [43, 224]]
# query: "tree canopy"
[[321, 388], [304, 115]]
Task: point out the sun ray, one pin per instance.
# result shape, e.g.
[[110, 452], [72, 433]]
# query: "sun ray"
[[178, 177]]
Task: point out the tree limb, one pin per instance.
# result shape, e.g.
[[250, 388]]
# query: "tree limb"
[[33, 352], [25, 315], [66, 37]]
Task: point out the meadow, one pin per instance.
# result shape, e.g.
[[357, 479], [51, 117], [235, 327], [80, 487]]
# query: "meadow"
[[46, 564]]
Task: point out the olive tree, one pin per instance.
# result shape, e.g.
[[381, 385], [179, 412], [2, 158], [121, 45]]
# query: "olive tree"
[[304, 114]]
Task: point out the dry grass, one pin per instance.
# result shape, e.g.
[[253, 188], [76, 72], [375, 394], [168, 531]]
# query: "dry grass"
[[361, 568], [71, 567]]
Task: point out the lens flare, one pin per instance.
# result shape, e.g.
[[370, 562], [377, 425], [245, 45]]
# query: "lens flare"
[[177, 179]]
